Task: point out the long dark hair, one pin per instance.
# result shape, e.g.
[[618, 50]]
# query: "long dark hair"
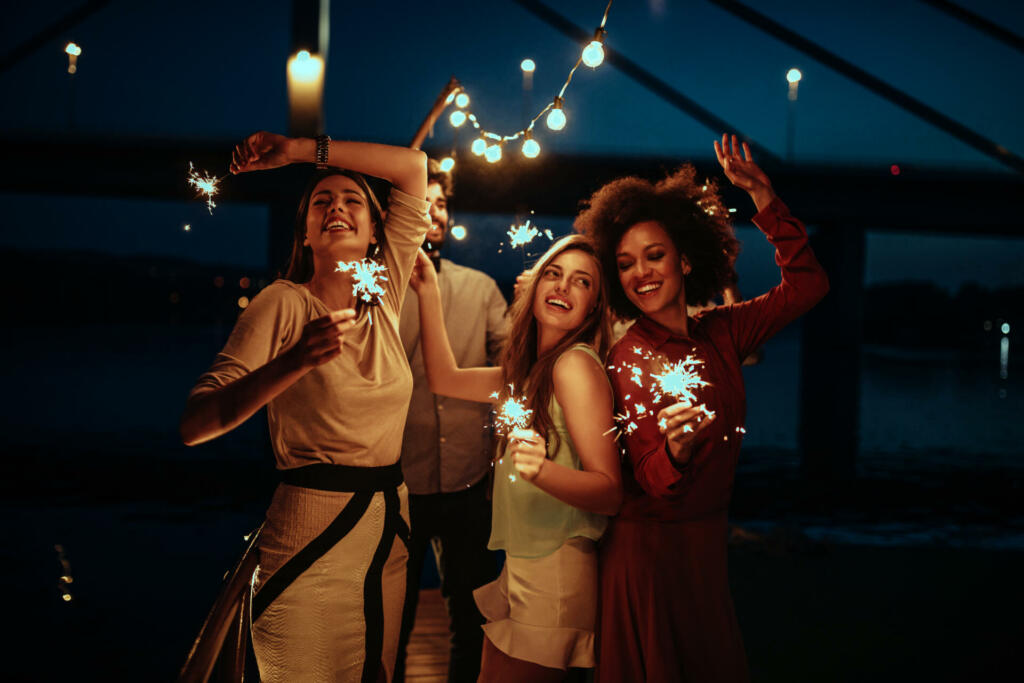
[[521, 366], [300, 262]]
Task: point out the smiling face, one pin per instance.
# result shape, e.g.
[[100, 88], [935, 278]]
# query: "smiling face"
[[650, 268], [438, 215], [338, 224], [566, 292]]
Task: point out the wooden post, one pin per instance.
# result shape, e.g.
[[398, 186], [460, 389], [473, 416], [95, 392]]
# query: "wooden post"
[[831, 359]]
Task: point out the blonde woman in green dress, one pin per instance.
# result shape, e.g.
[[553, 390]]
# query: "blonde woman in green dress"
[[555, 481]]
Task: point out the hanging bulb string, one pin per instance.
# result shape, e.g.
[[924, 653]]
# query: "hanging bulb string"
[[463, 115]]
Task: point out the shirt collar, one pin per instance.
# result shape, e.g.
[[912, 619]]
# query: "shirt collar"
[[657, 334]]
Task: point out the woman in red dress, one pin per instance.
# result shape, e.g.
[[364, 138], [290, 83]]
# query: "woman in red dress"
[[666, 613]]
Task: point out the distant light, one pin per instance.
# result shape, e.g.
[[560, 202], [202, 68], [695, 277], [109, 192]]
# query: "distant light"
[[450, 98], [73, 49], [243, 301], [457, 118], [244, 283], [218, 281], [894, 169], [794, 75], [305, 68], [479, 146], [527, 65], [1005, 328], [593, 54], [447, 164], [461, 100], [66, 597], [459, 232], [187, 228], [493, 153], [530, 148]]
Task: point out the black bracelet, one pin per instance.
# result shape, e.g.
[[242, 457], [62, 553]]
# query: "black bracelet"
[[322, 148]]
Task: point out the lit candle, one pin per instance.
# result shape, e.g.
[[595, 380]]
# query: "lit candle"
[[305, 93]]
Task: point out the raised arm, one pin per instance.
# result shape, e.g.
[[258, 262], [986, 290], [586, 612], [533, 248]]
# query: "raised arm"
[[582, 391], [804, 282], [403, 167], [444, 376], [212, 412]]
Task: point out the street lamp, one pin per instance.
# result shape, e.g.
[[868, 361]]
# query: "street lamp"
[[793, 77]]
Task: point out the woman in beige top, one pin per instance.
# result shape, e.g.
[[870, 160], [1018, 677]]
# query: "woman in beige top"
[[327, 595]]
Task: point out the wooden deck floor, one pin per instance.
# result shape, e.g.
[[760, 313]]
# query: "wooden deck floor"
[[427, 653]]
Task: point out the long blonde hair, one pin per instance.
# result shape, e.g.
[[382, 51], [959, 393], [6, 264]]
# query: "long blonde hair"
[[521, 366]]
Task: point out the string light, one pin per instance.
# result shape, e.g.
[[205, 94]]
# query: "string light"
[[457, 118], [459, 232], [489, 144], [556, 117], [593, 54], [493, 153], [447, 164], [530, 146]]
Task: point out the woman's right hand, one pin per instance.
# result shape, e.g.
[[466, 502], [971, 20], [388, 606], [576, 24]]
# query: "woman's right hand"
[[423, 277], [322, 338], [261, 151]]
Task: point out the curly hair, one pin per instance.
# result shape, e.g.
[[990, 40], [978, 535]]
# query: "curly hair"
[[692, 214]]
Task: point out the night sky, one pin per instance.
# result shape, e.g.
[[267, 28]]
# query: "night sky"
[[215, 70]]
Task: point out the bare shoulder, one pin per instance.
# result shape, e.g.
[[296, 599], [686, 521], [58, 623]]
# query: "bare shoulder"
[[577, 370]]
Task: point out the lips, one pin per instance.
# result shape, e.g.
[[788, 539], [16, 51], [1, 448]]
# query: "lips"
[[338, 226], [558, 302], [647, 288]]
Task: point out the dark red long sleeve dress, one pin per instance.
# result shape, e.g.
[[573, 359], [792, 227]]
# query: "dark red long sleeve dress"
[[666, 613]]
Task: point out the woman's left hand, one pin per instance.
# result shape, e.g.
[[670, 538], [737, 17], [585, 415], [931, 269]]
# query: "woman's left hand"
[[743, 172], [261, 151], [529, 452]]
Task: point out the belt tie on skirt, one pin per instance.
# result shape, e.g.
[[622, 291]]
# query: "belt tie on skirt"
[[364, 482]]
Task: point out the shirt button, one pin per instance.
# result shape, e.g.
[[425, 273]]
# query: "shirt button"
[[443, 439]]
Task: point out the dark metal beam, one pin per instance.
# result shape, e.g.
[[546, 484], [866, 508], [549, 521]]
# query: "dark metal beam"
[[52, 31], [876, 85], [917, 200], [979, 22], [646, 78]]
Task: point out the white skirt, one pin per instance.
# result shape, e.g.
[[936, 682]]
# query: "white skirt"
[[330, 614], [543, 609]]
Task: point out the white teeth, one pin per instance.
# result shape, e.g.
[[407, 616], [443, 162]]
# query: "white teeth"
[[648, 288], [338, 225], [558, 302]]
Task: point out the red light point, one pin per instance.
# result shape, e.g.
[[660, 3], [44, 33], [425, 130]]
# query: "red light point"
[[894, 169]]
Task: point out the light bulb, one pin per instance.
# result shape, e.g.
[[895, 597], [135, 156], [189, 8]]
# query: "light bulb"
[[556, 117], [479, 146], [457, 118], [459, 232], [528, 65], [461, 100], [493, 153], [794, 75], [593, 54], [447, 164], [530, 148]]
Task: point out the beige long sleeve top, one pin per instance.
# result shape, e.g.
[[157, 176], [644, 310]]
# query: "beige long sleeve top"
[[351, 410]]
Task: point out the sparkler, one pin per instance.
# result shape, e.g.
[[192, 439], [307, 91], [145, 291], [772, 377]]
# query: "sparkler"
[[204, 184], [512, 413], [679, 379], [367, 276], [521, 235]]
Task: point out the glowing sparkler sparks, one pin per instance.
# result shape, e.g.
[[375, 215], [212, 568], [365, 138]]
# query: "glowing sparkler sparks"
[[204, 184], [367, 276], [679, 379], [521, 235], [512, 413]]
